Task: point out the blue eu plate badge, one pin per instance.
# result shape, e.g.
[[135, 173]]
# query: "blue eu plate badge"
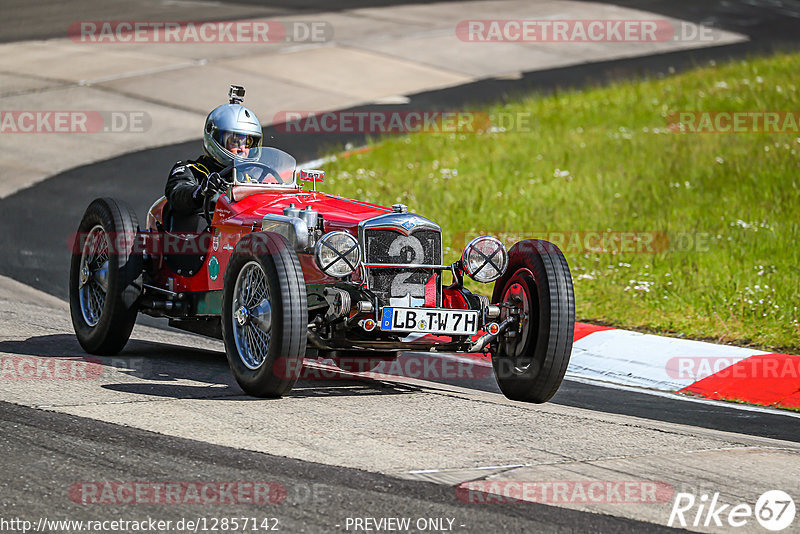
[[386, 320]]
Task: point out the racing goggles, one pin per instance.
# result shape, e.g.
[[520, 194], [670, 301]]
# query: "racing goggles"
[[236, 140]]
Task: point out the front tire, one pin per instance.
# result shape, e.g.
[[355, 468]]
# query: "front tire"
[[530, 364], [105, 277], [264, 315]]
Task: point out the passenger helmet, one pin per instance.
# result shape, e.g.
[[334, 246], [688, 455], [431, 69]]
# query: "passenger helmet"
[[229, 124]]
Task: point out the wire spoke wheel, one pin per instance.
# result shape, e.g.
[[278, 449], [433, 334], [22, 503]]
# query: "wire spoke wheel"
[[93, 277], [105, 279], [264, 315], [252, 315]]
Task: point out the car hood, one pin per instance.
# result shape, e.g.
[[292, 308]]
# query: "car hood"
[[339, 213]]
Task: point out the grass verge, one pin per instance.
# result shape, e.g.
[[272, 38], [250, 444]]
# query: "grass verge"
[[722, 211]]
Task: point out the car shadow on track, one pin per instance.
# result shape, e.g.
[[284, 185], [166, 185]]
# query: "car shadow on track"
[[154, 369], [162, 370]]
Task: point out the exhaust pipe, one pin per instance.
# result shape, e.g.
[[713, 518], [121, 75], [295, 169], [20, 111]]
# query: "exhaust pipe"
[[480, 344]]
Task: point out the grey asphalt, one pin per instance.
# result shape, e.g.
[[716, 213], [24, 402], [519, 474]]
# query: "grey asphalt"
[[46, 19], [179, 385], [665, 408], [47, 453]]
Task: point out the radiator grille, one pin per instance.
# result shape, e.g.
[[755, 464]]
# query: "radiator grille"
[[390, 246]]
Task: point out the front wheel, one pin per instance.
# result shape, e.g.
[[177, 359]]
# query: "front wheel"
[[530, 360], [264, 315], [105, 277]]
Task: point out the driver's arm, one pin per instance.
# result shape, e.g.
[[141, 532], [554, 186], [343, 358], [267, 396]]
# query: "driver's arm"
[[183, 189]]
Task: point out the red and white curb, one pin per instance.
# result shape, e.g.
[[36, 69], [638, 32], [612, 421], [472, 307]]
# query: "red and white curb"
[[698, 368]]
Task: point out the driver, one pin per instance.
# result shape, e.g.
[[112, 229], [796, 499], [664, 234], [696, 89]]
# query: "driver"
[[231, 131]]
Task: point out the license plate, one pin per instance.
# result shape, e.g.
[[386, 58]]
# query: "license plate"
[[429, 321]]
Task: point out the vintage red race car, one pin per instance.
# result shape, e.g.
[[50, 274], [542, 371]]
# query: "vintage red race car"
[[280, 274]]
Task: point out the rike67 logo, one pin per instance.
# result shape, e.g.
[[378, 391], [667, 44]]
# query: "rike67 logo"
[[774, 510]]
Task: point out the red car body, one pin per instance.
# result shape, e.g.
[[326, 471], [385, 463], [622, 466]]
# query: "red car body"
[[232, 220]]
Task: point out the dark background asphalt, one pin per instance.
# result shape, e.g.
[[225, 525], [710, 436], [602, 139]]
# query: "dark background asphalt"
[[47, 19], [774, 20]]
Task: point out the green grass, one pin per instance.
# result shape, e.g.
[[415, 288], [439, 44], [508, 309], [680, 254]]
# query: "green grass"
[[604, 159]]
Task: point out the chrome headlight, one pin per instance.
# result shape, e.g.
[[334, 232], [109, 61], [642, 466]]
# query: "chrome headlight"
[[337, 254], [485, 259]]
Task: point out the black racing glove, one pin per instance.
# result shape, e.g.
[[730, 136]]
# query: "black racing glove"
[[210, 184]]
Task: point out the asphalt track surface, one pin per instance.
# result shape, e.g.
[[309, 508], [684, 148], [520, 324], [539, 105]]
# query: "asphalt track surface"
[[47, 19], [51, 451], [662, 408]]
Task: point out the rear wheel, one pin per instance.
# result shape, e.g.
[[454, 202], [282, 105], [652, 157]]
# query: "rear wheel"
[[105, 277], [264, 315], [530, 361]]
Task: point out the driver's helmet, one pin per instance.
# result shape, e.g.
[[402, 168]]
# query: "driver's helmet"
[[229, 126]]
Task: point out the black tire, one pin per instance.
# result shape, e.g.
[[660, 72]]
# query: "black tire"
[[531, 366], [270, 369], [106, 332]]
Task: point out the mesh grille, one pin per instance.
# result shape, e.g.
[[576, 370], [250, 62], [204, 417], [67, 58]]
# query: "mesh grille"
[[390, 246]]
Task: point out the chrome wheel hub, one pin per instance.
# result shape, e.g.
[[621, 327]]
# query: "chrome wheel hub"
[[84, 275], [100, 276], [261, 315], [242, 316]]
